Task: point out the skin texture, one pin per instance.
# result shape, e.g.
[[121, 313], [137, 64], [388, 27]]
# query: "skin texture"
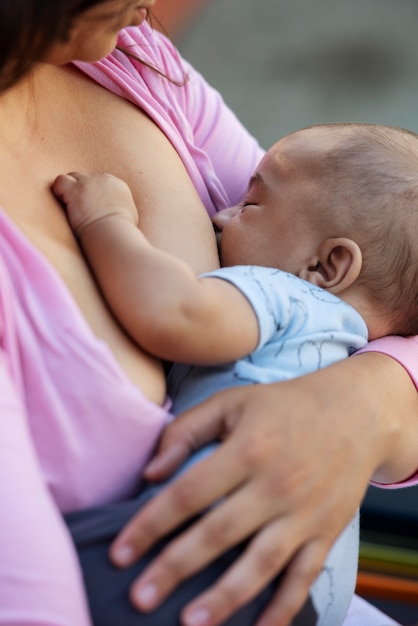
[[367, 403]]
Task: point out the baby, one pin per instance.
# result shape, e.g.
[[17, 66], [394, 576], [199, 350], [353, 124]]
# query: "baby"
[[320, 256]]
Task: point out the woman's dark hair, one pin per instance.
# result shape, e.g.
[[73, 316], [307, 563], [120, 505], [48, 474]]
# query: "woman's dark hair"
[[28, 28]]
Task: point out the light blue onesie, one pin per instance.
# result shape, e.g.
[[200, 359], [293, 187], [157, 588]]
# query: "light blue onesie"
[[302, 328]]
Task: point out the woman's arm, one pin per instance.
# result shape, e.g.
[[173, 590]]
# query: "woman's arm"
[[40, 581], [302, 452]]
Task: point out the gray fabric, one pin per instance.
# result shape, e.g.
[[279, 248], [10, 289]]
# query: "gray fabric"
[[107, 587]]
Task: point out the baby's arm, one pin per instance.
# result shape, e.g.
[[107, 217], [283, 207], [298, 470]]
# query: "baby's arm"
[[156, 297]]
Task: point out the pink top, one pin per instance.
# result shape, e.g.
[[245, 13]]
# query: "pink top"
[[78, 432], [405, 351]]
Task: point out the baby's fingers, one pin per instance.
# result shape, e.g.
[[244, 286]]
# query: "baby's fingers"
[[63, 186]]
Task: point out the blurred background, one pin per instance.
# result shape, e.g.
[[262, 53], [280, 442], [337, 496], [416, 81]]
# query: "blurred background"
[[285, 64]]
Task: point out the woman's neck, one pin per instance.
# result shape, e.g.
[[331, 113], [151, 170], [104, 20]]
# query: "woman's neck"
[[17, 109], [19, 103]]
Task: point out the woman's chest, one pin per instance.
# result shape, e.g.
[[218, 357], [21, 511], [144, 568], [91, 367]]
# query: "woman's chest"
[[82, 127], [77, 125], [84, 415]]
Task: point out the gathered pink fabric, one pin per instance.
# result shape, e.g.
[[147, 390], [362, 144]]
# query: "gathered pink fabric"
[[75, 431]]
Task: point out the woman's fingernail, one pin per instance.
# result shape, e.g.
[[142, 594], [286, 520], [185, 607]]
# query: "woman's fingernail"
[[123, 555], [146, 596], [197, 617]]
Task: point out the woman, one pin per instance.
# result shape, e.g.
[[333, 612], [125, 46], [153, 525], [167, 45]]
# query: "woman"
[[71, 379]]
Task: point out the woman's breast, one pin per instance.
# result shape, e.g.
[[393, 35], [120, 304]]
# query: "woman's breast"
[[81, 126], [143, 370], [47, 230], [93, 429]]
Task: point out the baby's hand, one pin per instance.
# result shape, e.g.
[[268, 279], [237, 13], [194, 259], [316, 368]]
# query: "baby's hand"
[[89, 198]]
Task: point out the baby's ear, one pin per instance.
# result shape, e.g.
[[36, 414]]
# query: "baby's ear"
[[336, 265]]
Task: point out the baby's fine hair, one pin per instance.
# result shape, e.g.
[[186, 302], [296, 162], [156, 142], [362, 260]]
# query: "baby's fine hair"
[[372, 171]]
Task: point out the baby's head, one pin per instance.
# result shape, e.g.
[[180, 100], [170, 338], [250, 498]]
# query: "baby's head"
[[337, 205]]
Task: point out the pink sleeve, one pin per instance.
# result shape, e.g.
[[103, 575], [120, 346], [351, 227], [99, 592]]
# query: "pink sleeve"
[[225, 153], [40, 582], [402, 349], [233, 151], [405, 351]]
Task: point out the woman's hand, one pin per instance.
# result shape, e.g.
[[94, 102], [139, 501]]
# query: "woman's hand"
[[292, 470]]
